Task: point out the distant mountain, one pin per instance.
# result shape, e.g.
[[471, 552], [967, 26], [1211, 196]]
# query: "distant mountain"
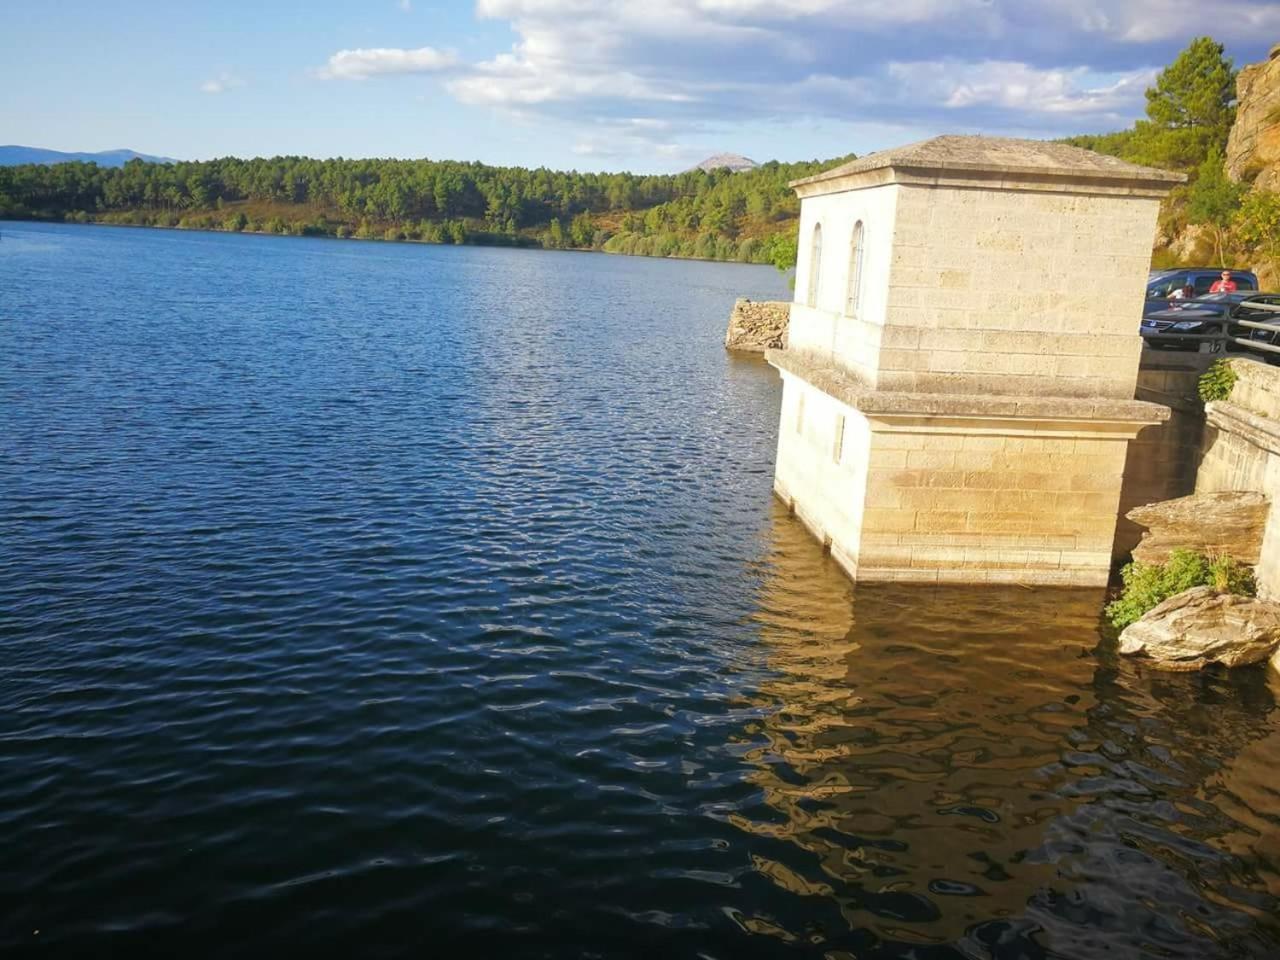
[[733, 161], [12, 155]]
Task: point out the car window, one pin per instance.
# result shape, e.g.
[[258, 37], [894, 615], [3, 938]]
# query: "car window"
[[1202, 284], [1245, 283], [1166, 287]]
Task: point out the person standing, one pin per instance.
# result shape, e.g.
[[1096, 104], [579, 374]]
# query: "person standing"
[[1223, 284]]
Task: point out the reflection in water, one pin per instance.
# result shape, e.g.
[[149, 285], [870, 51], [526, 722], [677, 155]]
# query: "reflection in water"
[[972, 769]]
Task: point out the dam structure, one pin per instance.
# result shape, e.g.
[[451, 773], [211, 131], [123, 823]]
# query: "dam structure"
[[958, 384]]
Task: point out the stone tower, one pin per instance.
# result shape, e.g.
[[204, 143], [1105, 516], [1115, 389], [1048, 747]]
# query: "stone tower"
[[963, 351]]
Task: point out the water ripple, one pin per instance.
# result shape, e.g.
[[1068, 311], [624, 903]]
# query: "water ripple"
[[362, 598]]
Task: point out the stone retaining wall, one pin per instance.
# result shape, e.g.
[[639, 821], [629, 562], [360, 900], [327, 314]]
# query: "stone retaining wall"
[[758, 325], [1163, 460], [1241, 451]]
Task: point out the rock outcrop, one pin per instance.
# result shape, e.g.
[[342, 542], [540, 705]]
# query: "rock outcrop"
[[1200, 626], [758, 325], [733, 162], [1211, 523], [1253, 149]]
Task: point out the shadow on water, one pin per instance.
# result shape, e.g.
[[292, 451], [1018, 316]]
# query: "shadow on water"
[[973, 772]]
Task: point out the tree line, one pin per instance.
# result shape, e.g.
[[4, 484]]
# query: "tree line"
[[721, 215]]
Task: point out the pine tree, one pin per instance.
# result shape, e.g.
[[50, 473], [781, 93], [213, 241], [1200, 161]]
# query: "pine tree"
[[1214, 199]]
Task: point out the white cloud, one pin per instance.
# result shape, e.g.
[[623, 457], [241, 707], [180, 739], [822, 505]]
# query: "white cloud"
[[875, 11], [630, 137], [1147, 21], [406, 6], [1031, 66], [221, 83], [646, 77], [509, 80], [382, 61], [1014, 86]]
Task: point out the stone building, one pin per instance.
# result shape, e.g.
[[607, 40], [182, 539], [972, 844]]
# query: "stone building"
[[963, 349]]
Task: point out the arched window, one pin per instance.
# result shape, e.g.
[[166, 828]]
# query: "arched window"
[[815, 265], [855, 271]]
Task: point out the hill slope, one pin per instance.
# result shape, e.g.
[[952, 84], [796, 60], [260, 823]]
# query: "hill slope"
[[12, 155]]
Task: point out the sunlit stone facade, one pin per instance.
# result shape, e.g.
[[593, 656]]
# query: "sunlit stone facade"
[[963, 351]]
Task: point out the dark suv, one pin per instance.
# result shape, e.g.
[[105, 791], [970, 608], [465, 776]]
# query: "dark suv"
[[1163, 284]]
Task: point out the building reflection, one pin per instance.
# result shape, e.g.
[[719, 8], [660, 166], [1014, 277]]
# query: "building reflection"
[[1247, 790], [948, 765]]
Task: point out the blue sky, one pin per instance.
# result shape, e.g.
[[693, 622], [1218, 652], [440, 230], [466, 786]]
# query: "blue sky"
[[646, 85]]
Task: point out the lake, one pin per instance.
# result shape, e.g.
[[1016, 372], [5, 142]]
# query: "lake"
[[390, 600]]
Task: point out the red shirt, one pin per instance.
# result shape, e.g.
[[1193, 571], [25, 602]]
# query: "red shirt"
[[1223, 286]]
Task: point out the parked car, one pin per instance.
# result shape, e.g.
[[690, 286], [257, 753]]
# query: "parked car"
[[1163, 284], [1197, 318], [1249, 310]]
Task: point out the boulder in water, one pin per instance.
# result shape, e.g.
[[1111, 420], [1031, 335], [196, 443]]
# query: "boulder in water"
[[1201, 626]]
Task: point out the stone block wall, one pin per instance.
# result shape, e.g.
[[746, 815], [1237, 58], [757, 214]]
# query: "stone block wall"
[[985, 360], [821, 466], [827, 328], [853, 344], [951, 488], [1019, 505], [1241, 451], [1006, 292], [1164, 457]]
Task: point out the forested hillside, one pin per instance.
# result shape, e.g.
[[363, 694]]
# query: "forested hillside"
[[748, 216]]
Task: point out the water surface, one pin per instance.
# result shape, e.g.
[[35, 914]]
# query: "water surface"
[[396, 600]]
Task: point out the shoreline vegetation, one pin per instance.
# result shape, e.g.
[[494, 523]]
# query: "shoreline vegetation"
[[744, 217], [470, 241]]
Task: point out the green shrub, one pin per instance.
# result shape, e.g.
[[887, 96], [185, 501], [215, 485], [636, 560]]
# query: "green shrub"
[[1217, 381], [1148, 584], [1227, 575]]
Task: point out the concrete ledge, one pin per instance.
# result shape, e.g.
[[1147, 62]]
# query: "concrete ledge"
[[1262, 432], [1257, 387], [1026, 576], [890, 408]]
